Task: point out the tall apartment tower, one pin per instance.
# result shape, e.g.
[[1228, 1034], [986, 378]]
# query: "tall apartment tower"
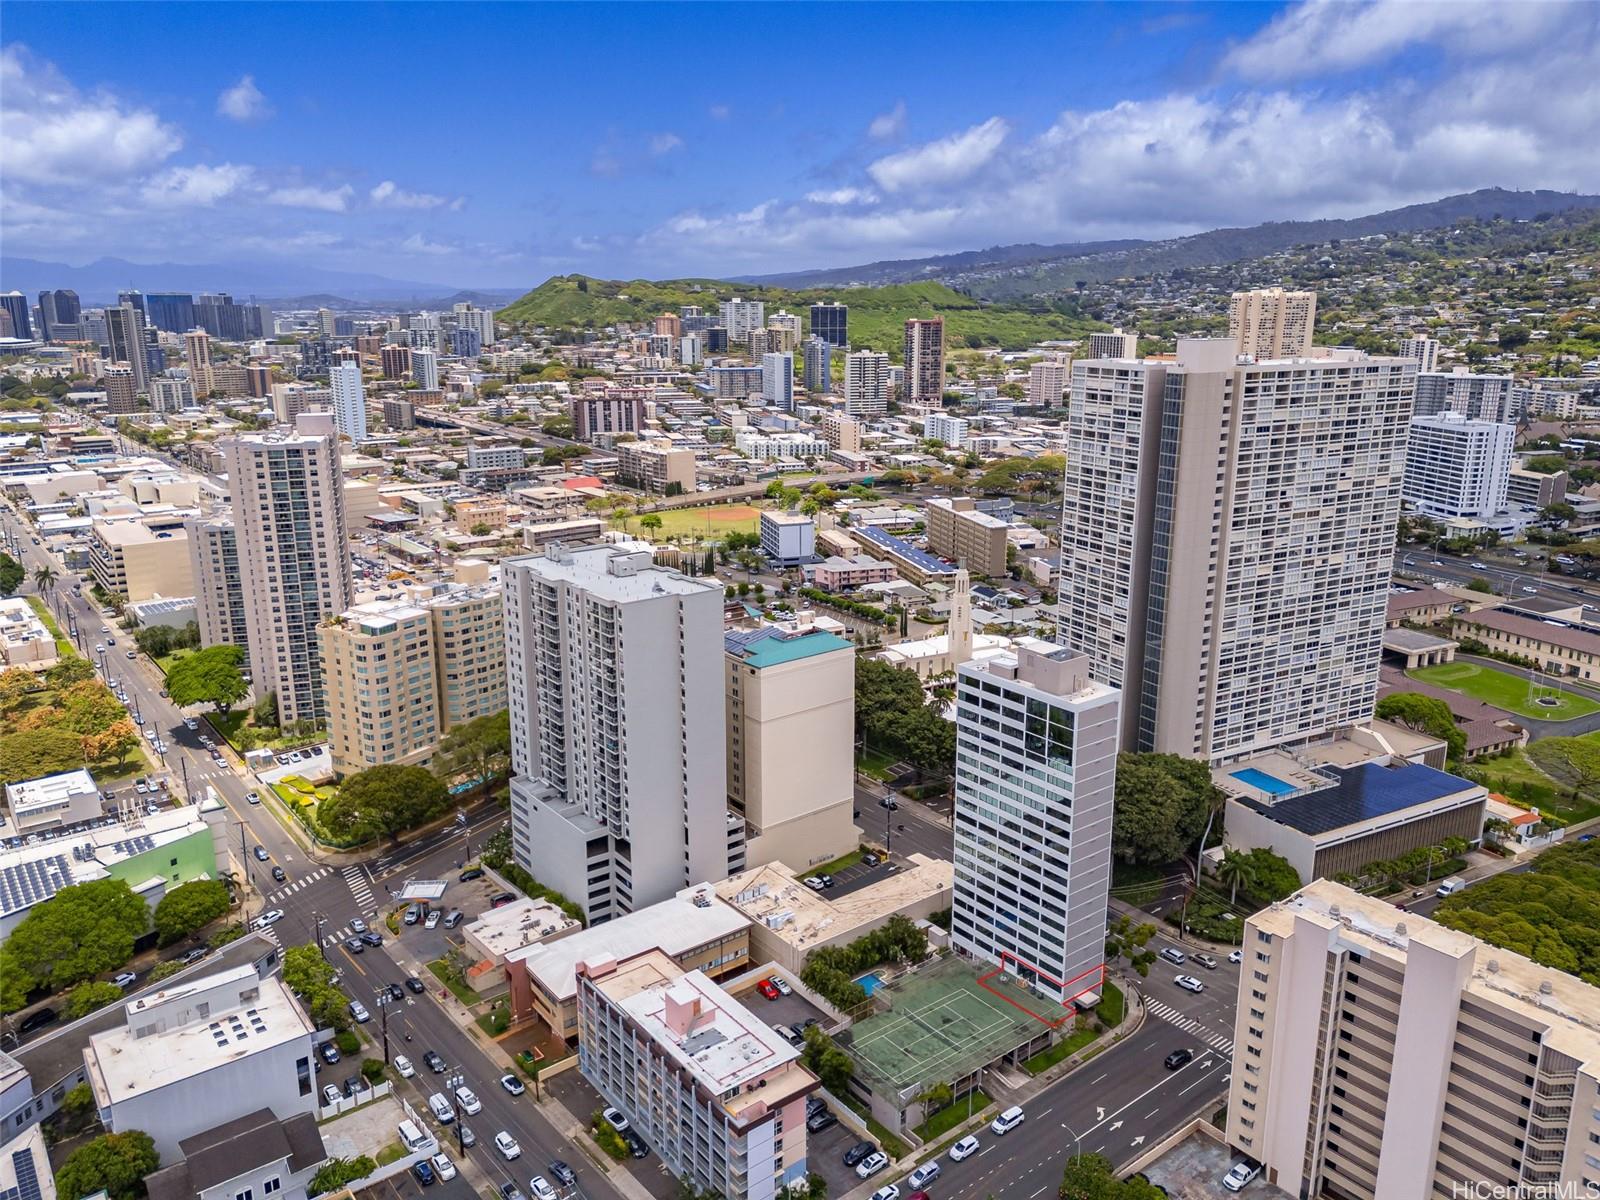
[[1036, 765], [777, 381], [1480, 397], [615, 683], [59, 313], [1227, 536], [1423, 350], [220, 608], [866, 384], [294, 564], [425, 368], [1114, 344], [1457, 467], [817, 365], [15, 306], [197, 346], [924, 360], [349, 400], [122, 394], [468, 316], [1272, 323], [831, 323], [1047, 382], [1379, 1054], [125, 342], [741, 317]]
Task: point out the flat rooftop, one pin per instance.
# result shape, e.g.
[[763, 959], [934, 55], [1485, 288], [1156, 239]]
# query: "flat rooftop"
[[770, 647], [772, 895], [1321, 800], [620, 572], [48, 791], [518, 924], [932, 564]]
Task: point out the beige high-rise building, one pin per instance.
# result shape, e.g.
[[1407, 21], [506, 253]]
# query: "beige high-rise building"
[[841, 432], [924, 360], [1272, 323], [791, 732], [122, 395], [1381, 1056], [1227, 540], [1047, 382], [656, 467], [469, 647], [137, 559], [197, 346], [294, 561], [959, 532]]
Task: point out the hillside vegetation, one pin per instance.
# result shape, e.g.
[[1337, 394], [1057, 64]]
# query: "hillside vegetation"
[[877, 314]]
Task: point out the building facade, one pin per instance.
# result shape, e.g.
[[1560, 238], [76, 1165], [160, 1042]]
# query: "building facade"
[[957, 530], [1036, 762], [866, 384], [1272, 322], [1458, 467], [615, 410], [656, 467], [924, 360], [788, 538], [777, 381], [1423, 350], [817, 365], [1477, 397], [831, 323], [1047, 381], [349, 400], [219, 600]]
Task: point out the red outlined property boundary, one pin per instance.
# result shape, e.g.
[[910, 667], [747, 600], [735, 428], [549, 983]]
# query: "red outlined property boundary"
[[1098, 973]]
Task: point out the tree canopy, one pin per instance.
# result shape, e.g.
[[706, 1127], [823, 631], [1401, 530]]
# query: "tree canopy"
[[480, 750], [826, 1061], [1162, 803], [190, 907], [893, 715], [12, 573], [1427, 715], [87, 997], [385, 800], [310, 976], [1092, 1177], [30, 753], [210, 676], [82, 931], [115, 1163]]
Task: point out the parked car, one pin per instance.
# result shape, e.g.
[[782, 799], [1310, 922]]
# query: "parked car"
[[1242, 1173], [782, 985], [443, 1167], [615, 1118], [1178, 1058], [514, 1085], [413, 913], [510, 1191], [37, 1019], [330, 1095], [453, 918], [564, 1175], [125, 979], [403, 1065], [432, 921], [329, 1052], [858, 1152], [501, 898], [252, 798], [1007, 1121], [813, 882], [443, 1111], [965, 1148], [888, 1191], [872, 1164], [822, 1120], [466, 1137], [468, 1099], [422, 1171], [636, 1146], [194, 955], [507, 1145], [369, 938], [470, 874], [767, 989], [359, 1013]]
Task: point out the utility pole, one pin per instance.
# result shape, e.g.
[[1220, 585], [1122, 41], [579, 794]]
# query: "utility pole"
[[453, 1082], [382, 995], [888, 817], [317, 920]]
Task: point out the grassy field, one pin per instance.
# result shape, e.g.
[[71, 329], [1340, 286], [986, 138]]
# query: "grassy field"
[[64, 647], [708, 521], [1504, 690]]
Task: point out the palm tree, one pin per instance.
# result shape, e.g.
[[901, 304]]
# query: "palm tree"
[[1235, 869], [44, 578]]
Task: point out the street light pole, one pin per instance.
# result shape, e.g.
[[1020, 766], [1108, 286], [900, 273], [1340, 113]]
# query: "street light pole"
[[453, 1082], [317, 918], [383, 1015]]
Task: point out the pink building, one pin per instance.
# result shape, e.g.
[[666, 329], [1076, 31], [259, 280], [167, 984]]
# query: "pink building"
[[835, 574]]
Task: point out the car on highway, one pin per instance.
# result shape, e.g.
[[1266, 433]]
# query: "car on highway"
[[766, 988], [260, 853], [615, 1118], [1244, 1171], [394, 993], [888, 802], [1189, 983], [515, 1086], [443, 1167], [279, 875], [125, 980], [355, 945], [965, 1148], [919, 1179], [130, 654], [403, 1065], [872, 1164], [541, 1189], [415, 985], [422, 1171], [1478, 566], [1206, 961], [564, 1174], [271, 917], [1007, 1121], [433, 1062], [1178, 1058], [507, 1145], [470, 1104]]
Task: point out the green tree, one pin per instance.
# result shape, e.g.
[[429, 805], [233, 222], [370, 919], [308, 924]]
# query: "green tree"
[[12, 573], [558, 426], [87, 997], [337, 1172], [115, 1163], [190, 907], [1233, 870], [68, 672], [265, 712], [209, 676], [89, 707], [82, 931], [1479, 584], [31, 753], [650, 522], [44, 578], [1426, 715], [1162, 805], [1089, 1177], [79, 1101], [310, 976], [480, 750], [385, 800], [826, 1061]]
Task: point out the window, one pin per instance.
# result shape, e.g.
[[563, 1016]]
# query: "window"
[[272, 1185], [247, 1194]]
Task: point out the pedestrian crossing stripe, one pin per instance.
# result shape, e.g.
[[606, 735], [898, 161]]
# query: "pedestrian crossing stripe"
[[1173, 1017]]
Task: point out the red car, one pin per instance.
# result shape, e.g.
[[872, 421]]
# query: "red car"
[[766, 989]]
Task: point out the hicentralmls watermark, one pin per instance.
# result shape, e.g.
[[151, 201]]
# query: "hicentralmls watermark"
[[1483, 1189]]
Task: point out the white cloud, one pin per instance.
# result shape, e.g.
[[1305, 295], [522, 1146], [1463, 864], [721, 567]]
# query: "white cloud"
[[195, 186], [945, 161], [243, 102], [51, 133], [417, 244], [720, 112], [844, 195], [891, 124], [389, 194], [1325, 36], [605, 164], [308, 196], [664, 143]]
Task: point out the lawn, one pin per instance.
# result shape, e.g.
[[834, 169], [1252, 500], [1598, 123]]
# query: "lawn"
[[1071, 1044], [166, 661], [64, 647], [952, 1115], [1505, 690], [451, 978], [707, 521], [838, 864], [875, 763], [1137, 884]]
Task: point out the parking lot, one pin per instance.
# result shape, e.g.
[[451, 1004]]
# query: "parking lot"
[[825, 1156], [1193, 1170], [785, 1010]]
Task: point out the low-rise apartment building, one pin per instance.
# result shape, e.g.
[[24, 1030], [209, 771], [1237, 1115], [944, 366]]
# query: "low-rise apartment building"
[[712, 1089], [788, 538], [1558, 649], [837, 574], [957, 530], [1378, 1054]]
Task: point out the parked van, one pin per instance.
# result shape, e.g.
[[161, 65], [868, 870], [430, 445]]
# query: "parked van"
[[1451, 886], [441, 1108], [1174, 956], [415, 1139], [452, 918]]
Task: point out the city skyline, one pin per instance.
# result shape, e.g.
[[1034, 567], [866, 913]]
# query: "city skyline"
[[263, 157]]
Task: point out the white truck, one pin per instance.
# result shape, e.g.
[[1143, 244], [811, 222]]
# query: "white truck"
[[1449, 887]]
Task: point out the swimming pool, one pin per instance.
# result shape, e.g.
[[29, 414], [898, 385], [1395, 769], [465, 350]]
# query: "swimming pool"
[[870, 982], [1270, 784]]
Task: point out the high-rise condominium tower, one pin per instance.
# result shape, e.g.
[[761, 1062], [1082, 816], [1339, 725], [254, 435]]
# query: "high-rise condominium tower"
[[294, 565], [1227, 538], [615, 682], [831, 323], [924, 360], [1272, 323], [197, 345], [866, 383], [349, 400], [125, 341]]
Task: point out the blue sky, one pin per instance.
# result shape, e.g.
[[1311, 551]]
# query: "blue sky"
[[493, 145]]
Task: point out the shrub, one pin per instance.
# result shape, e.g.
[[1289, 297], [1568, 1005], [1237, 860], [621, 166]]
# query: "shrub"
[[347, 1042]]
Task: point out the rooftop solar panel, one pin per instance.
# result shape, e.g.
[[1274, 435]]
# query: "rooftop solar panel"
[[1359, 793]]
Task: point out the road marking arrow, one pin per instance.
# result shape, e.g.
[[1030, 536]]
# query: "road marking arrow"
[[1099, 1113], [1115, 1125], [1138, 1141], [1205, 1064]]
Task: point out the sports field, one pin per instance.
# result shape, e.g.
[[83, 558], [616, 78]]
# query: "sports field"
[[707, 521], [1509, 689], [945, 1022]]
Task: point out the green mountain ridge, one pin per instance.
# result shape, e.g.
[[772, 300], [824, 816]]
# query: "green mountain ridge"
[[877, 314]]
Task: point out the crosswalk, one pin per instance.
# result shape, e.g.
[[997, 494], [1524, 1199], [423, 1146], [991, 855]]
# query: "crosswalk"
[[304, 881], [356, 878], [1172, 1016]]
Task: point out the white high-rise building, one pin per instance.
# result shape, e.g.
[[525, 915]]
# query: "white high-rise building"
[[866, 383], [817, 365], [1272, 323], [741, 317], [1458, 467], [1114, 344], [942, 427], [777, 381], [1422, 349], [349, 400], [615, 682], [1227, 539], [425, 368], [481, 319], [1036, 765], [1480, 397], [293, 559], [1047, 382]]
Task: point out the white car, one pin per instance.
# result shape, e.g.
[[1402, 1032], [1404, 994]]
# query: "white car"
[[965, 1148], [507, 1145], [615, 1118], [783, 988], [433, 920], [190, 724], [470, 1104], [1007, 1121], [443, 1167], [271, 917], [812, 882], [1243, 1172], [872, 1164], [403, 1065], [357, 925], [541, 1189], [1236, 957], [888, 1191], [359, 1013], [1189, 983]]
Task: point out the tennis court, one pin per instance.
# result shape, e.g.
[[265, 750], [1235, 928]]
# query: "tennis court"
[[942, 1024]]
